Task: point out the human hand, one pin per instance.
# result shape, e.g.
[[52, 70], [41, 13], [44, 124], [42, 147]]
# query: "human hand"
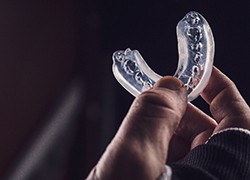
[[227, 107], [139, 149]]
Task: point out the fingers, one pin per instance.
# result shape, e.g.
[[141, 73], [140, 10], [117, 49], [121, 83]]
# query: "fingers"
[[194, 122], [227, 107], [194, 129], [226, 104], [200, 126]]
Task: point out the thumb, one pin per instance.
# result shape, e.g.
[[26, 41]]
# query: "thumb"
[[159, 109]]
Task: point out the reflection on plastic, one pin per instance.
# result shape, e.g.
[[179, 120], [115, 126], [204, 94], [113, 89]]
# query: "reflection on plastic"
[[196, 54]]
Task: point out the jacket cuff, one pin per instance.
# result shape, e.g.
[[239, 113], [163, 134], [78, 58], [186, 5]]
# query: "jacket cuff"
[[224, 156]]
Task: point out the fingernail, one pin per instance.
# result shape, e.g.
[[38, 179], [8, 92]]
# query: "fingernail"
[[169, 82]]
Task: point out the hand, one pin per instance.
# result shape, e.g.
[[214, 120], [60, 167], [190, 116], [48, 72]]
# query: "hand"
[[139, 149], [227, 107]]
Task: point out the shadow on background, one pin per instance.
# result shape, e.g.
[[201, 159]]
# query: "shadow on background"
[[60, 104]]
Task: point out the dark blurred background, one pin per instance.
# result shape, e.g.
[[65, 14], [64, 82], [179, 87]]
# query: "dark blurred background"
[[59, 102]]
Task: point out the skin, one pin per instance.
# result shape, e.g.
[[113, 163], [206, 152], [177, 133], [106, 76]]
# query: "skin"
[[161, 126]]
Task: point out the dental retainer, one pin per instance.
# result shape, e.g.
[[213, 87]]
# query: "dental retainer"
[[196, 55]]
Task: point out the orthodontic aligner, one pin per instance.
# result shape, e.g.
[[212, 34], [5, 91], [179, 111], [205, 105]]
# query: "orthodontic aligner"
[[196, 52]]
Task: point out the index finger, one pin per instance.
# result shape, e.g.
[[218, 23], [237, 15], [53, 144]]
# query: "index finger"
[[226, 103]]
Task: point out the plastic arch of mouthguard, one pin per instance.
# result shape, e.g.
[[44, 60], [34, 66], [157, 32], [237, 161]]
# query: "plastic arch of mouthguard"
[[196, 54]]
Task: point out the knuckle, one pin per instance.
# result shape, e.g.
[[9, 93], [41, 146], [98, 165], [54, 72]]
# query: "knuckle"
[[156, 98], [159, 103]]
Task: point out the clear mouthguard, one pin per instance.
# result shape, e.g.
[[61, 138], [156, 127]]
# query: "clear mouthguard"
[[196, 54]]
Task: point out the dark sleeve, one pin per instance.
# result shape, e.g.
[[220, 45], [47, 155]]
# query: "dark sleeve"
[[225, 156]]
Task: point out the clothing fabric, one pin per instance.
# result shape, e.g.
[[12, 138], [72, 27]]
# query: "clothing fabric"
[[225, 156]]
